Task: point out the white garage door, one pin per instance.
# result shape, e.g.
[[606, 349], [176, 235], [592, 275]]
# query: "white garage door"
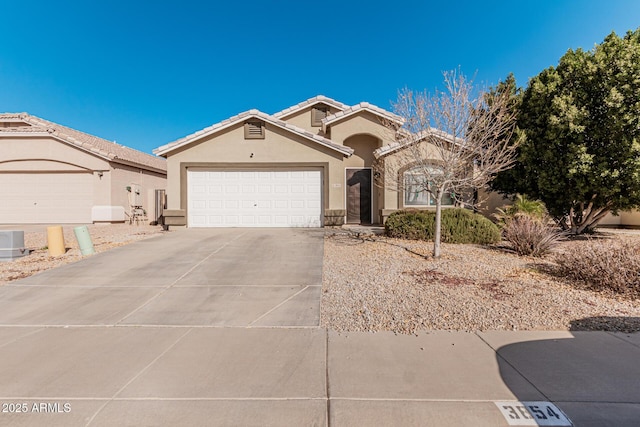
[[45, 198], [254, 198]]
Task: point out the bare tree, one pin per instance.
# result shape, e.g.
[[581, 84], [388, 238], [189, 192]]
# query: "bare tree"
[[454, 142]]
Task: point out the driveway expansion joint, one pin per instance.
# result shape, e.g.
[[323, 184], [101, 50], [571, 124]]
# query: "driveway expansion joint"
[[142, 371], [279, 305], [181, 277], [617, 336], [499, 356]]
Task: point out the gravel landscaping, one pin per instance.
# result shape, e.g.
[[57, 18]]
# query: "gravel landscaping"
[[384, 284], [103, 236]]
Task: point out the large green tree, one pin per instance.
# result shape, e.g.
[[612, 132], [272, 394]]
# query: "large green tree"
[[581, 155]]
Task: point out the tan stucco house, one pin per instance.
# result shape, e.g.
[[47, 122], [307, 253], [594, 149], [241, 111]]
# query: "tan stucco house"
[[50, 173], [306, 166], [309, 165]]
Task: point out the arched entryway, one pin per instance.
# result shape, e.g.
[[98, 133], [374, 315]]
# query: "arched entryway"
[[361, 196]]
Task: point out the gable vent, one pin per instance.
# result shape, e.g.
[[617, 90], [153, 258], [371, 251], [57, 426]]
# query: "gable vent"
[[318, 113], [254, 130]]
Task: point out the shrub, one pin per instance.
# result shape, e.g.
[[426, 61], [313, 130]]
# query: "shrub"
[[604, 265], [413, 224], [458, 226], [530, 235], [521, 205]]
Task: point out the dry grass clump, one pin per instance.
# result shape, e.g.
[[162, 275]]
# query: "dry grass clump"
[[608, 265], [531, 236]]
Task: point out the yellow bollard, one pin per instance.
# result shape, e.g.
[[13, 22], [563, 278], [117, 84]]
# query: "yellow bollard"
[[55, 240]]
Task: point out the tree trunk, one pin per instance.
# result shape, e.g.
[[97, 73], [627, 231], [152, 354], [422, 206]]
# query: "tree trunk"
[[586, 218], [591, 219], [437, 232]]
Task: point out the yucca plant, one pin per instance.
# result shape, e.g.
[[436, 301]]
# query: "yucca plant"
[[530, 235]]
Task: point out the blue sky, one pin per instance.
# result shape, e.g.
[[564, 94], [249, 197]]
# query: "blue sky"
[[144, 73]]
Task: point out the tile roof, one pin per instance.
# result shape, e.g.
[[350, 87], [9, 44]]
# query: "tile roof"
[[11, 115], [347, 151], [311, 101], [363, 106], [410, 139], [101, 147]]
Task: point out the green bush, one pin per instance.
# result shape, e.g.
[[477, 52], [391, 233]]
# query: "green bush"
[[458, 226]]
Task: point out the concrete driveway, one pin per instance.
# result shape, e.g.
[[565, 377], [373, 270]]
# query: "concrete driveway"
[[207, 324], [206, 277], [220, 327]]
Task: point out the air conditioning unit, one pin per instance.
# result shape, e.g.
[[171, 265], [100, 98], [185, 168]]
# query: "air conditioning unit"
[[12, 245]]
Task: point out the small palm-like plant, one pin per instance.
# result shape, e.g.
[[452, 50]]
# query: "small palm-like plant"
[[521, 205]]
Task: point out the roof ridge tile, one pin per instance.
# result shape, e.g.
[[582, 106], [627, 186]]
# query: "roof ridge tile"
[[256, 113], [314, 100], [363, 106], [91, 143]]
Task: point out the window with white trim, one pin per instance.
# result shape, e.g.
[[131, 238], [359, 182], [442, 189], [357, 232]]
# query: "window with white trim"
[[416, 190]]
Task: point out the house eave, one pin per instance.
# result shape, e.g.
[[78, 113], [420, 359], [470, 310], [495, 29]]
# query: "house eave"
[[138, 165], [319, 99], [414, 139], [166, 149], [363, 107]]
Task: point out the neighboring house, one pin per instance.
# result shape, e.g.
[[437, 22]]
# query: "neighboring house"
[[306, 166], [628, 219], [53, 174]]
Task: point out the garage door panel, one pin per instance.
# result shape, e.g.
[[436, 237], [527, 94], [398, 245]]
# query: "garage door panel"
[[254, 198], [264, 204], [313, 189], [248, 220], [46, 198]]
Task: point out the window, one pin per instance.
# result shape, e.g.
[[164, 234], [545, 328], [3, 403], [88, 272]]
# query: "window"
[[254, 130], [318, 113], [415, 190]]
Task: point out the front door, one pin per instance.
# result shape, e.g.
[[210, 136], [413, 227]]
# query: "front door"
[[359, 196]]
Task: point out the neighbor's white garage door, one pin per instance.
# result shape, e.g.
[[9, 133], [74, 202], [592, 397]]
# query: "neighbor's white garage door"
[[45, 198], [254, 198]]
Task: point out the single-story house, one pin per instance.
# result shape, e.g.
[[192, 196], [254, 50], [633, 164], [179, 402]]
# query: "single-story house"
[[54, 174], [306, 166]]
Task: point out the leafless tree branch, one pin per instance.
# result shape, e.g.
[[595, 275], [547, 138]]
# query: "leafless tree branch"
[[456, 139]]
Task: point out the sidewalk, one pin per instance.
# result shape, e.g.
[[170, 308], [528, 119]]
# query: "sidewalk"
[[306, 376], [221, 327]]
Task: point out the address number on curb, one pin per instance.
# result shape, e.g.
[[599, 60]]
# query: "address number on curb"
[[532, 414]]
